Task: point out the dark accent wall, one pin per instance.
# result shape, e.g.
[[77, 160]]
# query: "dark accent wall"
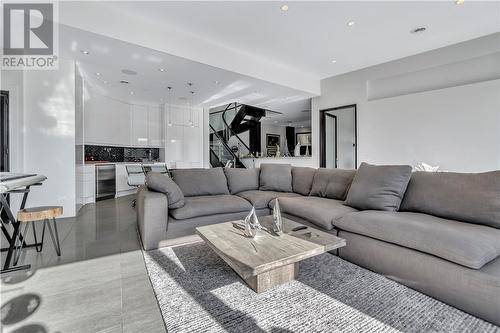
[[254, 138], [120, 154], [290, 138]]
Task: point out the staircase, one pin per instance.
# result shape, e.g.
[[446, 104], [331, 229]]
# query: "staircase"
[[226, 126]]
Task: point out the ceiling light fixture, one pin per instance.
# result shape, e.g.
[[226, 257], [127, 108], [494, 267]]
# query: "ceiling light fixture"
[[105, 82], [190, 104], [351, 23], [284, 8], [418, 30], [98, 74], [161, 69], [169, 107], [459, 2], [216, 82], [131, 93], [85, 52], [333, 61]]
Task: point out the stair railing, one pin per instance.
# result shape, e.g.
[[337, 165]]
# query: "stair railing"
[[236, 159], [230, 130]]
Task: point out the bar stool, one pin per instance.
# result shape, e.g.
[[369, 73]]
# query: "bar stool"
[[27, 217]]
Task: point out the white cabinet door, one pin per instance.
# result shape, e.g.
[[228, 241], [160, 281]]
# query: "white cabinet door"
[[155, 124], [174, 142], [139, 126], [192, 144], [106, 121], [176, 114]]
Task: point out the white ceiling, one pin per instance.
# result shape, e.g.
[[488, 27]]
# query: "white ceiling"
[[108, 57], [302, 40]]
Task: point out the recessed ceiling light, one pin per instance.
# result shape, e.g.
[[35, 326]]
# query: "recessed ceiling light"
[[98, 74], [418, 30], [85, 52], [333, 61], [124, 81], [351, 23], [284, 8], [131, 93], [129, 72], [216, 82], [161, 69], [459, 2], [105, 82]]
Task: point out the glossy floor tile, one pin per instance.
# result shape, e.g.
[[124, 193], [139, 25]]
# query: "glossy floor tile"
[[98, 284]]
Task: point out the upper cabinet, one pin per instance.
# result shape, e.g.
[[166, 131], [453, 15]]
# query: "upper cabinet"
[[106, 121], [139, 125], [111, 122], [155, 126]]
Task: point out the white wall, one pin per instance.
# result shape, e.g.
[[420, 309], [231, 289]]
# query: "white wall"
[[49, 134], [271, 129], [455, 125]]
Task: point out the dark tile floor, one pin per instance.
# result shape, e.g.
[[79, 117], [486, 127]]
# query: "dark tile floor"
[[99, 284]]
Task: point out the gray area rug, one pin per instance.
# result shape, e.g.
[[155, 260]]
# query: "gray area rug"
[[198, 292]]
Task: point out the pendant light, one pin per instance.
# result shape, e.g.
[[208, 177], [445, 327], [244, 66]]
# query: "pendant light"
[[169, 105], [191, 109]]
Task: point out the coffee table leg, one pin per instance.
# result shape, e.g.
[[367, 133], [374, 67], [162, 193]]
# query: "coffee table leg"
[[273, 278]]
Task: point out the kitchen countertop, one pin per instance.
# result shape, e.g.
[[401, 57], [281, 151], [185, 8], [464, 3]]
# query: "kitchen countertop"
[[107, 162]]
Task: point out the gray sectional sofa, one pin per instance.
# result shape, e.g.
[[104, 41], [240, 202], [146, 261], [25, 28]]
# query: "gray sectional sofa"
[[438, 233]]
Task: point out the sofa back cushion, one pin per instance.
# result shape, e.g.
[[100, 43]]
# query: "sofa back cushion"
[[158, 182], [195, 182], [332, 183], [275, 177], [379, 187], [467, 197], [302, 179], [241, 179]]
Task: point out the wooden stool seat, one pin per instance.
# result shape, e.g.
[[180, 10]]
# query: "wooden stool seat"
[[39, 213]]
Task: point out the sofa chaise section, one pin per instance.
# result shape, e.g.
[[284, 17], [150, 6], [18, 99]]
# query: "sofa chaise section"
[[476, 291], [466, 244]]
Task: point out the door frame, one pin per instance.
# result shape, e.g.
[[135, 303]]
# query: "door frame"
[[4, 125], [322, 134]]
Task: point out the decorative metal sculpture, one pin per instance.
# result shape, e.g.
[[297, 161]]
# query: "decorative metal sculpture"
[[252, 224], [277, 220]]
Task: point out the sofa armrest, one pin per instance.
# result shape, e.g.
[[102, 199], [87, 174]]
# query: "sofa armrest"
[[152, 217]]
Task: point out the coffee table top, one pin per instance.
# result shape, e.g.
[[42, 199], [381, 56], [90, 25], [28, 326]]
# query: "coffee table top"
[[254, 256]]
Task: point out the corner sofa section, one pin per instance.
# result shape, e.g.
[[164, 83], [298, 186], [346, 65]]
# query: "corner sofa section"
[[438, 233]]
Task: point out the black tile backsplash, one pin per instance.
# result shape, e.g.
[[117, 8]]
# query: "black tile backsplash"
[[120, 154]]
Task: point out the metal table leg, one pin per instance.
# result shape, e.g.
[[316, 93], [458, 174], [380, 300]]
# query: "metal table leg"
[[7, 268]]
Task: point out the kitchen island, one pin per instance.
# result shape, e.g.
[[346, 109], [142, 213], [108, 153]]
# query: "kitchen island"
[[86, 180]]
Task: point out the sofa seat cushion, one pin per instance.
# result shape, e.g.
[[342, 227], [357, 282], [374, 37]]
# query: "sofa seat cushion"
[[261, 199], [319, 211], [465, 244], [210, 205]]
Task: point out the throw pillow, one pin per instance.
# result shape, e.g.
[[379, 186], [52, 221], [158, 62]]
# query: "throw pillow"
[[161, 183], [241, 179], [379, 187], [276, 177]]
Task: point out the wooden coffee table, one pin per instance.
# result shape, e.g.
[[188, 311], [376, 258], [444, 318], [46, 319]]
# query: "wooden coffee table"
[[267, 260]]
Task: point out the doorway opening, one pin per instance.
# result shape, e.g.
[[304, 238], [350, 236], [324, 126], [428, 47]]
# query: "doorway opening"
[[338, 137], [4, 130]]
